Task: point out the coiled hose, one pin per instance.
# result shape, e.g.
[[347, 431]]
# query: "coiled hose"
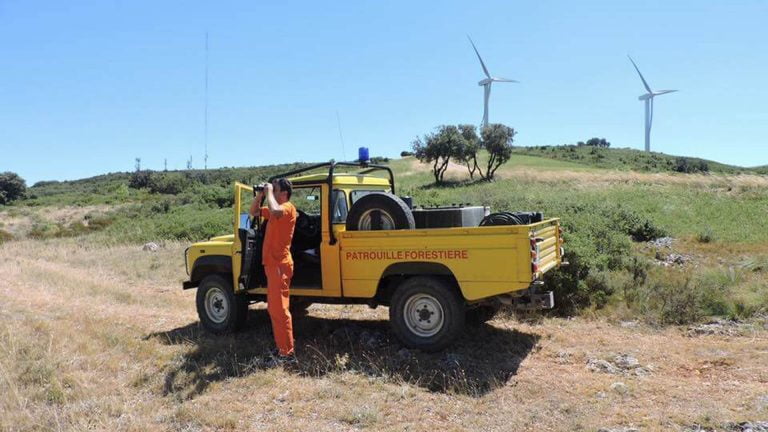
[[501, 218], [511, 218]]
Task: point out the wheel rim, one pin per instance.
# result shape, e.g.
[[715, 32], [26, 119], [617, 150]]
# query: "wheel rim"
[[216, 305], [423, 315], [376, 219]]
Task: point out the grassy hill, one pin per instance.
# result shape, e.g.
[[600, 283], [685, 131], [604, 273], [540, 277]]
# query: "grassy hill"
[[607, 214], [103, 336], [628, 159]]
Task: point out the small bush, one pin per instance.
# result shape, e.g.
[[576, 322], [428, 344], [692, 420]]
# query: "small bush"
[[706, 236], [91, 223], [44, 230], [671, 299], [639, 227], [5, 236], [218, 196], [688, 166], [139, 179], [755, 263], [167, 183]]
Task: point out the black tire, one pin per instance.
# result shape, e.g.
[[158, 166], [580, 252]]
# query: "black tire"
[[379, 211], [482, 314], [416, 302], [219, 308]]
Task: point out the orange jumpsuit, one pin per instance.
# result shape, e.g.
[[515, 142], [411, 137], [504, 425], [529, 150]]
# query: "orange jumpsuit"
[[278, 265]]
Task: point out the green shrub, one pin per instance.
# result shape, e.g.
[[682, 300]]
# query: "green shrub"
[[671, 299], [168, 221], [218, 196], [685, 165], [44, 230], [705, 236], [12, 187], [755, 263], [139, 179], [638, 227], [168, 183], [91, 222], [684, 295]]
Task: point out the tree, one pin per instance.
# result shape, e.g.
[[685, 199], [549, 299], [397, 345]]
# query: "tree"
[[496, 139], [465, 149], [437, 149], [597, 142], [685, 165], [139, 179], [12, 187]]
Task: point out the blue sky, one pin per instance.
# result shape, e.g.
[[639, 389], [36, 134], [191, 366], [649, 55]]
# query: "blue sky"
[[86, 87]]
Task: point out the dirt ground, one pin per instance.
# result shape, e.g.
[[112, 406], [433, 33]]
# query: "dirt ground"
[[103, 338]]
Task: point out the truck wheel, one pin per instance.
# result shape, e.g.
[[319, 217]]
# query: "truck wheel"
[[426, 313], [219, 308], [379, 211], [482, 314]]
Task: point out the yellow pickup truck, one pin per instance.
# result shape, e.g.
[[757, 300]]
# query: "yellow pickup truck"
[[357, 242]]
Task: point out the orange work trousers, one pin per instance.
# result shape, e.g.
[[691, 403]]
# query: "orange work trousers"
[[278, 300]]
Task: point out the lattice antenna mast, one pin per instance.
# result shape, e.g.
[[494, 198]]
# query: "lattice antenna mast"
[[205, 120], [341, 137]]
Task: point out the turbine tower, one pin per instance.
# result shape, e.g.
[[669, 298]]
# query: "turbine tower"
[[648, 98], [486, 83]]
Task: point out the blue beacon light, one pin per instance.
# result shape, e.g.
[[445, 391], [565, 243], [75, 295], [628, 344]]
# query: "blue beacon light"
[[362, 155]]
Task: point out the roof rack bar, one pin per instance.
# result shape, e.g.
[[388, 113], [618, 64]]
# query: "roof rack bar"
[[369, 168]]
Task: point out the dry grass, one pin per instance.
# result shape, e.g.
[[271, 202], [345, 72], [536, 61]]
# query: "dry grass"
[[18, 221], [104, 338], [591, 177]]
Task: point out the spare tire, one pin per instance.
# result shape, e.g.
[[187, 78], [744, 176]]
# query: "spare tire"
[[379, 211]]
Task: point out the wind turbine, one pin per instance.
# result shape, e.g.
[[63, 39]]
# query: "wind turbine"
[[648, 98], [486, 83]]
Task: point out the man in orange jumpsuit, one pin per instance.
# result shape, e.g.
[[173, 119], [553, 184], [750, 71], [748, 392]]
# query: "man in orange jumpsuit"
[[278, 263]]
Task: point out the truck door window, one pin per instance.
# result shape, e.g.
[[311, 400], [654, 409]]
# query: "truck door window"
[[339, 199], [307, 199]]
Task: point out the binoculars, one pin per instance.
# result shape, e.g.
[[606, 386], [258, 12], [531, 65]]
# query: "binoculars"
[[258, 188]]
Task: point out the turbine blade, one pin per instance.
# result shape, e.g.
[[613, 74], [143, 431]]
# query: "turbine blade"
[[661, 92], [485, 69], [647, 87], [504, 80]]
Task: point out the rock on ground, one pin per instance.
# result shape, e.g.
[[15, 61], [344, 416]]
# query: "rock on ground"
[[719, 327], [621, 364]]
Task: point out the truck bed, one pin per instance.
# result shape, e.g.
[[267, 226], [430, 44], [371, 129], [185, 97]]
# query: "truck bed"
[[485, 261]]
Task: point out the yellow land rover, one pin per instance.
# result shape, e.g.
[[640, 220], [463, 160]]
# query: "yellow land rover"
[[357, 242]]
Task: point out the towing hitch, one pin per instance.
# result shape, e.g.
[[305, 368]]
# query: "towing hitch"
[[531, 300]]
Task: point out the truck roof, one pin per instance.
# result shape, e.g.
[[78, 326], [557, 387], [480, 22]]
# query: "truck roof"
[[346, 179]]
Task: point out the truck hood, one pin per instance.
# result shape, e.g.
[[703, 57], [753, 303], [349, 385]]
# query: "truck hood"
[[229, 238]]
